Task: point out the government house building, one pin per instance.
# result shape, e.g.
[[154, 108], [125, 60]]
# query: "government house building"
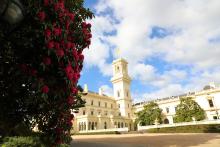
[[117, 113]]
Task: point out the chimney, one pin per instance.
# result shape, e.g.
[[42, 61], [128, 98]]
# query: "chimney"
[[85, 88], [100, 91]]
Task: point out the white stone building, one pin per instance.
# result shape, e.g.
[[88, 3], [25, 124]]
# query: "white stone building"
[[117, 113]]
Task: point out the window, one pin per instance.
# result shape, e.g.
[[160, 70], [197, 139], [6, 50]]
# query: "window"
[[119, 114], [92, 112], [118, 68], [128, 105], [84, 112], [111, 106], [215, 117], [96, 125], [118, 92], [89, 126], [99, 113], [118, 124], [129, 115], [84, 126], [99, 103], [105, 105], [93, 125], [106, 113], [167, 110], [211, 103], [105, 125], [91, 102], [118, 105], [127, 94], [126, 125], [122, 125]]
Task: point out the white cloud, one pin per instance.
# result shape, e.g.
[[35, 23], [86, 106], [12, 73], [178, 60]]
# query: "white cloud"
[[99, 50], [107, 90], [193, 23]]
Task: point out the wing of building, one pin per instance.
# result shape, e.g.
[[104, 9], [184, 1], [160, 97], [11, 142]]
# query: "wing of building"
[[103, 113]]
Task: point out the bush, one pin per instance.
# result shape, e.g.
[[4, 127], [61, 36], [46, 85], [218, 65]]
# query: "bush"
[[22, 142], [215, 128], [30, 141]]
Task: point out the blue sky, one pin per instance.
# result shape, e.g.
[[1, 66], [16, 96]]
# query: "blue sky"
[[172, 46]]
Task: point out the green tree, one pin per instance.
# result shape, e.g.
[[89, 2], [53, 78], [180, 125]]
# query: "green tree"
[[40, 63], [187, 110], [149, 114]]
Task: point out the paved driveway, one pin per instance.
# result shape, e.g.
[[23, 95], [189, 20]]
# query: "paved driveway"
[[148, 140]]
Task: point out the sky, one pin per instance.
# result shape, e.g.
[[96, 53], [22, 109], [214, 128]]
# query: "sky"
[[172, 46]]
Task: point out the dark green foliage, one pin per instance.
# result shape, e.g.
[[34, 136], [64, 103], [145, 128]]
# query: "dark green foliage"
[[29, 141], [22, 142], [150, 113], [187, 110], [22, 103], [215, 128]]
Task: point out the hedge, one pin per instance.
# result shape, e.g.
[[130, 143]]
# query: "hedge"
[[29, 141], [97, 133], [214, 128]]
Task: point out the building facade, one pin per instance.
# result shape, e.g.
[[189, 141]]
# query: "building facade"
[[105, 113]]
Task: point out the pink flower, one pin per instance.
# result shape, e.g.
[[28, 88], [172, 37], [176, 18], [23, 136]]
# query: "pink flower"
[[68, 45], [84, 24], [74, 90], [50, 44], [70, 100], [57, 31], [47, 33], [60, 53], [59, 6], [41, 15], [46, 2], [71, 16], [69, 69], [88, 25], [81, 57], [89, 35], [56, 45], [46, 60], [45, 89]]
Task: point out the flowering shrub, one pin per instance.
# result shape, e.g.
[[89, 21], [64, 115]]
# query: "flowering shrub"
[[50, 64]]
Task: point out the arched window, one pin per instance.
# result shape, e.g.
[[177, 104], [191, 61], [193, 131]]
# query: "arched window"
[[89, 125], [166, 121], [84, 126], [118, 124], [122, 125], [92, 125], [105, 125]]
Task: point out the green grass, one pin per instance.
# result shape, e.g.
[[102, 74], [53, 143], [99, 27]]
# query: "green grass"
[[214, 128]]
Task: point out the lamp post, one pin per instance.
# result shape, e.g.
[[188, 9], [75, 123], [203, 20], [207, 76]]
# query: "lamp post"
[[11, 11]]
